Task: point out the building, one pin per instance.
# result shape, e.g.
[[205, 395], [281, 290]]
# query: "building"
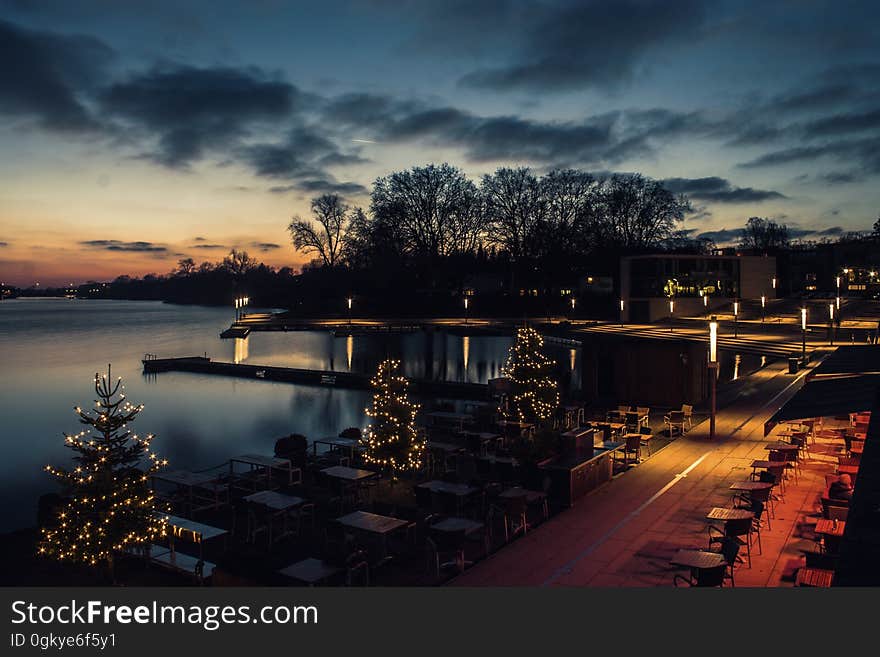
[[649, 282]]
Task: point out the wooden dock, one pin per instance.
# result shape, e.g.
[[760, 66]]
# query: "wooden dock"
[[322, 378]]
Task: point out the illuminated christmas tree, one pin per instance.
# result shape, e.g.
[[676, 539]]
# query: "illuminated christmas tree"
[[109, 505], [534, 395], [391, 441]]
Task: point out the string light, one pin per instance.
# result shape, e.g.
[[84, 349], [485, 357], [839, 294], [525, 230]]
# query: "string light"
[[111, 507], [392, 441], [534, 393]]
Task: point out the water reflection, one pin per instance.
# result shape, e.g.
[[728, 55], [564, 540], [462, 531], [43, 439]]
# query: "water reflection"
[[466, 352], [349, 350], [241, 350], [737, 360]]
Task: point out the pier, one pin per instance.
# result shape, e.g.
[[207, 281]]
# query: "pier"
[[322, 378]]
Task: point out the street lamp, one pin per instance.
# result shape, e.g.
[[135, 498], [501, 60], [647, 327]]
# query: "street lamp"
[[671, 312], [621, 313], [763, 307], [735, 314], [713, 372], [831, 324], [773, 282], [349, 311], [837, 280], [804, 333], [572, 306], [465, 310]]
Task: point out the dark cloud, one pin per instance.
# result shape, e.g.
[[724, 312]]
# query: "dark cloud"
[[265, 246], [601, 42], [191, 109], [209, 246], [330, 186], [597, 139], [722, 236], [864, 152], [718, 190], [843, 124], [4, 244], [117, 245], [44, 76], [200, 239]]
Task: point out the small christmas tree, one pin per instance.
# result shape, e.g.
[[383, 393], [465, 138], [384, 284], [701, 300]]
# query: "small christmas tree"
[[534, 395], [110, 506], [391, 441]]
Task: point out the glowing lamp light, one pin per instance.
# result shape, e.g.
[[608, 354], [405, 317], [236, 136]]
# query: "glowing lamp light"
[[621, 305], [773, 281], [763, 301], [830, 311], [803, 319], [735, 308], [713, 342], [671, 307], [349, 303]]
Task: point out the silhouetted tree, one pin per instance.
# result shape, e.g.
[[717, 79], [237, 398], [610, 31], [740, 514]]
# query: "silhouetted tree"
[[513, 207], [238, 263], [638, 212], [185, 267], [434, 210], [764, 236], [327, 239]]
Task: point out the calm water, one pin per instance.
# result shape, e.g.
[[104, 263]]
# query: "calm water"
[[51, 349]]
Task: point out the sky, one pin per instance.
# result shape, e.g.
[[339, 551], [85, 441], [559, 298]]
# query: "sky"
[[134, 134]]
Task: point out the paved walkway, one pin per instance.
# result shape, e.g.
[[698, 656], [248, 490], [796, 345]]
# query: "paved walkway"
[[625, 533]]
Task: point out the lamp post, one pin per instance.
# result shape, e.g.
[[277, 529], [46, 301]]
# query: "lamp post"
[[671, 312], [735, 314], [465, 310], [573, 302], [713, 373], [773, 283], [621, 313], [706, 303], [349, 311], [831, 324], [804, 333], [763, 307], [837, 280]]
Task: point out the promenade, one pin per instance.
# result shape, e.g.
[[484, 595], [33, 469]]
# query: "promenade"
[[625, 533]]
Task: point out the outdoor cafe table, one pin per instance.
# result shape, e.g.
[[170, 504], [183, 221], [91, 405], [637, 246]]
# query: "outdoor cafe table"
[[278, 505], [375, 524], [774, 467], [459, 491], [462, 526], [748, 486], [831, 532], [448, 417], [195, 532], [265, 464], [348, 444], [523, 427], [781, 447], [349, 474], [724, 514], [851, 470], [192, 483], [531, 496], [857, 447], [697, 559], [485, 438], [311, 571]]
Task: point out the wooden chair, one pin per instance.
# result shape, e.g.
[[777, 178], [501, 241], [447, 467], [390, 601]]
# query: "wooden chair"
[[633, 447], [675, 420], [647, 436], [688, 411]]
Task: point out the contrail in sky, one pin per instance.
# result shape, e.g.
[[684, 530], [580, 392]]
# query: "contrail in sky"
[[365, 141]]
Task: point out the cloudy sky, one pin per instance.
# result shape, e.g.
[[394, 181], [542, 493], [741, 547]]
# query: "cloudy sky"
[[133, 134]]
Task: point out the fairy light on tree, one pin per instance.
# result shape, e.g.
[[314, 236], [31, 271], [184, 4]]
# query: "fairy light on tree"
[[109, 505], [391, 441], [534, 394]]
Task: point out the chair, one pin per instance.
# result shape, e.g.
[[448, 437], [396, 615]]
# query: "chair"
[[735, 529], [444, 543], [674, 420], [688, 411], [829, 503], [515, 516], [623, 409], [644, 413], [730, 549], [633, 446], [704, 577], [647, 436], [632, 421]]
